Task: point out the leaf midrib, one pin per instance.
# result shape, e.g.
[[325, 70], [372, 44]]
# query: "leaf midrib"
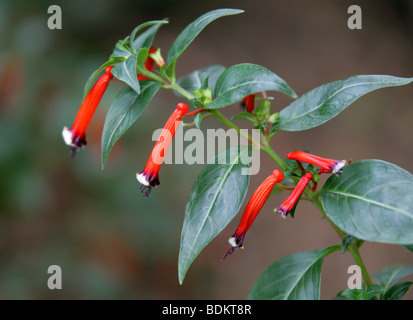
[[212, 203], [370, 201], [322, 254], [387, 83]]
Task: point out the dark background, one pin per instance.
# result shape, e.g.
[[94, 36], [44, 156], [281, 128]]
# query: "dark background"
[[112, 243]]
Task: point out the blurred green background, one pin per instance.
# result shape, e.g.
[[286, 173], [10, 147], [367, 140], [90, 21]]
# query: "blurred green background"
[[112, 243]]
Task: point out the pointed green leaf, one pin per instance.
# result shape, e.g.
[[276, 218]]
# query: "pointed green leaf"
[[327, 101], [143, 55], [397, 291], [293, 277], [145, 39], [126, 72], [364, 293], [352, 294], [193, 29], [121, 50], [246, 116], [347, 241], [199, 117], [391, 274], [371, 200], [213, 202], [244, 79], [125, 109], [374, 290], [195, 80]]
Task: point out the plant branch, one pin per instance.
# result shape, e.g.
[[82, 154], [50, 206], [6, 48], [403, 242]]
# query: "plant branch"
[[313, 197], [354, 250], [224, 120]]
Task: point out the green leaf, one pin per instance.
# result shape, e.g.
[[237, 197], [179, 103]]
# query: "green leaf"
[[246, 116], [374, 290], [327, 101], [370, 293], [121, 51], [293, 277], [125, 109], [371, 200], [397, 291], [170, 71], [352, 294], [126, 72], [347, 241], [391, 274], [193, 29], [145, 39], [244, 79], [213, 202], [143, 55], [199, 117], [195, 80]]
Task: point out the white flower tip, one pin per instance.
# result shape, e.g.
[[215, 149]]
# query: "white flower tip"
[[338, 166], [232, 242], [67, 136], [142, 179]]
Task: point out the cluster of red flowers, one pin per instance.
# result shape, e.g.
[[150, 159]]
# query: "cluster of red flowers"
[[75, 137], [260, 196], [149, 177]]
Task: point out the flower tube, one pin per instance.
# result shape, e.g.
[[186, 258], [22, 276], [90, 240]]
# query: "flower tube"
[[149, 177], [285, 208], [326, 165], [76, 135], [252, 209]]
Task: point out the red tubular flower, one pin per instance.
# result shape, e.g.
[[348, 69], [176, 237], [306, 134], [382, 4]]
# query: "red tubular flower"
[[149, 177], [249, 102], [326, 165], [76, 136], [150, 63], [252, 209], [289, 203]]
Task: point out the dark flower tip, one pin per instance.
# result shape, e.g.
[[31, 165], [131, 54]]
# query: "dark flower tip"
[[148, 182], [236, 241], [282, 211], [74, 140]]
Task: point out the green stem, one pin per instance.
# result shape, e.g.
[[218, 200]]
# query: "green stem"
[[224, 120], [151, 75], [181, 91], [354, 250]]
